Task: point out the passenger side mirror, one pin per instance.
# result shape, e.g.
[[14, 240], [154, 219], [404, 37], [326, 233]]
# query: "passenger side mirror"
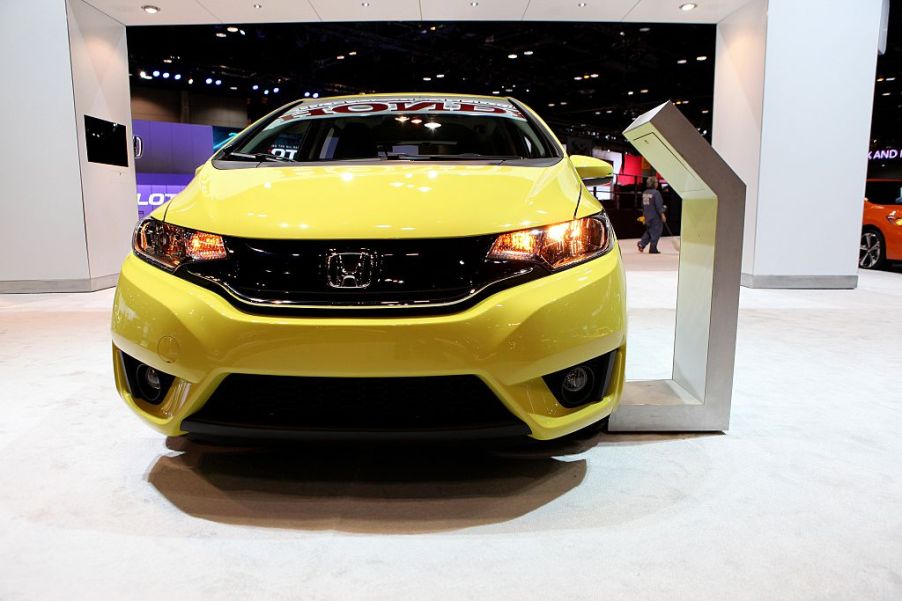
[[593, 172]]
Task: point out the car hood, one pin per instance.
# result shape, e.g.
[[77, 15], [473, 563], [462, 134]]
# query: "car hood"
[[400, 200]]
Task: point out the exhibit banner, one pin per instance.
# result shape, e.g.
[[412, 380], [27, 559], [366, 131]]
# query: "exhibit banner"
[[166, 155]]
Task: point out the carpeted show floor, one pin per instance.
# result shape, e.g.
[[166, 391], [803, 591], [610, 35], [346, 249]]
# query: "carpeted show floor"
[[801, 499]]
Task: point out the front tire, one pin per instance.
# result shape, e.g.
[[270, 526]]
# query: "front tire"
[[872, 253]]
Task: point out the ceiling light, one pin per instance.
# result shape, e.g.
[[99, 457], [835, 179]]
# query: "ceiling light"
[[427, 79], [190, 81], [364, 4], [594, 75], [578, 77], [340, 57], [266, 92], [306, 94], [433, 125], [705, 111], [232, 29], [890, 79], [233, 87], [886, 93], [528, 53], [316, 94], [241, 31], [645, 29], [258, 6], [701, 58], [440, 76], [512, 56], [682, 61], [256, 87], [643, 91], [474, 3], [166, 75], [630, 93], [177, 77], [609, 111], [218, 82], [550, 104], [156, 73], [416, 121], [220, 34], [352, 53], [402, 119], [688, 6], [167, 60], [150, 9], [275, 90], [496, 91], [581, 4], [209, 80], [563, 103], [143, 74]]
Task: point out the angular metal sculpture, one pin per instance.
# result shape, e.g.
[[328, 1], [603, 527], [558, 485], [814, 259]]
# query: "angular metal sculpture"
[[697, 397]]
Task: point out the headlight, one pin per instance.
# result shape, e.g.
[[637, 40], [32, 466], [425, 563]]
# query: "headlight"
[[169, 245], [556, 246]]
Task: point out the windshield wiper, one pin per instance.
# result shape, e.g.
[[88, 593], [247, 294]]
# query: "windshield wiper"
[[466, 156], [259, 157]]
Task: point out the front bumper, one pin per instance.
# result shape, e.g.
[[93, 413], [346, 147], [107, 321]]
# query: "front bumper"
[[509, 341]]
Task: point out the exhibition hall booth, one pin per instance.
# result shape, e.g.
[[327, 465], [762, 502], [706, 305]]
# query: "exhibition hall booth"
[[391, 344]]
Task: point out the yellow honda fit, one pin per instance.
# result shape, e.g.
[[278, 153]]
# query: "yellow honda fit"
[[378, 267]]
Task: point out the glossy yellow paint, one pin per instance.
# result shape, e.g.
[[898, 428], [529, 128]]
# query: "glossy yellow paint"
[[590, 167], [509, 340]]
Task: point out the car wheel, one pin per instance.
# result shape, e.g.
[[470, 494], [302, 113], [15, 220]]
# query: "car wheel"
[[873, 252]]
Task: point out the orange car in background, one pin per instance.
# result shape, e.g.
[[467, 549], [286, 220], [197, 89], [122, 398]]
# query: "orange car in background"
[[881, 234]]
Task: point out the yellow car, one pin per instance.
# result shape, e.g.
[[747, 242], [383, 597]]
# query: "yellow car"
[[379, 267]]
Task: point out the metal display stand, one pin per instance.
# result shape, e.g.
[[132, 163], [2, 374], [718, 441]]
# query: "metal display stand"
[[697, 397]]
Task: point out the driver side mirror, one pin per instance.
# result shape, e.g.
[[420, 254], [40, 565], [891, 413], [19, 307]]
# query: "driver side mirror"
[[593, 172]]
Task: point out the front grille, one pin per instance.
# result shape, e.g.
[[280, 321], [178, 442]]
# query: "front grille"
[[279, 275], [353, 404]]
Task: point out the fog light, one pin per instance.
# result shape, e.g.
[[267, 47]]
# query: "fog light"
[[576, 379], [150, 388], [584, 383]]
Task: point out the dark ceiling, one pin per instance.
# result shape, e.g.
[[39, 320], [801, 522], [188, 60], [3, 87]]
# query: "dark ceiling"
[[623, 69]]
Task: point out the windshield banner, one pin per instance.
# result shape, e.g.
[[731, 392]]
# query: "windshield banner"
[[402, 106]]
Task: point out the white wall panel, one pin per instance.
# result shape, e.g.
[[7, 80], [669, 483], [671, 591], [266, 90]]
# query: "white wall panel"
[[818, 94], [41, 228], [100, 67], [739, 103], [668, 11]]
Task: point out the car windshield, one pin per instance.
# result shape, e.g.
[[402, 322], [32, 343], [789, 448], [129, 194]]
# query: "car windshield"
[[394, 128]]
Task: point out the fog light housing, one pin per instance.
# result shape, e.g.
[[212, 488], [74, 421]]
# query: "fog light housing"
[[584, 383], [145, 383]]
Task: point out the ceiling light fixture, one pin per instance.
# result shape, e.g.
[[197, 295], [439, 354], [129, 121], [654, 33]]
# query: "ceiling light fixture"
[[306, 94], [682, 61], [645, 29], [496, 91], [150, 9], [218, 82], [233, 87], [364, 4], [258, 6], [688, 6], [256, 87], [190, 81], [890, 79], [594, 75], [275, 90], [427, 79], [177, 76], [474, 3], [352, 53], [209, 80], [232, 29], [167, 60], [581, 5], [340, 57], [220, 34], [512, 56], [528, 53], [643, 91], [701, 58], [166, 75], [316, 94], [440, 76]]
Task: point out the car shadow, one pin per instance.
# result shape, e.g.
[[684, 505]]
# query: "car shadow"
[[365, 489]]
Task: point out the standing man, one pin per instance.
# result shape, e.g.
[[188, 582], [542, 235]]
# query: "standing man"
[[653, 211]]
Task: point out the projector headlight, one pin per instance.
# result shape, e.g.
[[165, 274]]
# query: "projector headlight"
[[557, 246], [169, 246]]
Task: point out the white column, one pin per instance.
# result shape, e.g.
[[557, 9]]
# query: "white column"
[[64, 222], [793, 91]]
